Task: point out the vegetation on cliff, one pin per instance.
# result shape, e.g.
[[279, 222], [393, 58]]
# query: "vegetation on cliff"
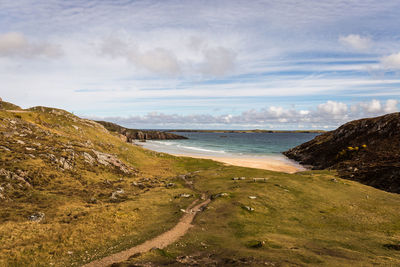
[[366, 150]]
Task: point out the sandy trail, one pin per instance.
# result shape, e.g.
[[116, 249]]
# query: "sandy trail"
[[160, 241]]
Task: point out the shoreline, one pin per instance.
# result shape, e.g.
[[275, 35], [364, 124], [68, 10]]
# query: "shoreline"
[[259, 162], [250, 162]]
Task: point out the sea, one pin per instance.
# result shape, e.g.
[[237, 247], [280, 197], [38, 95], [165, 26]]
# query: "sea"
[[236, 144]]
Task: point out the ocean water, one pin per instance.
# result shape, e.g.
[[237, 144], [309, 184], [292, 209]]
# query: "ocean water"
[[231, 144]]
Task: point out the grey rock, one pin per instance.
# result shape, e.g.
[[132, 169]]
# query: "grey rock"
[[117, 193], [248, 208], [112, 161], [170, 185], [5, 148], [88, 158], [36, 217]]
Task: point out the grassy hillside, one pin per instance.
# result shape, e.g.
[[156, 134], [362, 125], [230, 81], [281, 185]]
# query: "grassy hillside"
[[309, 218], [71, 192]]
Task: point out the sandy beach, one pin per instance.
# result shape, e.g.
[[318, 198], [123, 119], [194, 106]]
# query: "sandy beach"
[[253, 162], [273, 163]]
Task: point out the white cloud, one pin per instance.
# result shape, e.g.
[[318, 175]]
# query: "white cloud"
[[376, 107], [15, 44], [391, 106], [391, 62], [333, 108], [356, 41], [372, 107]]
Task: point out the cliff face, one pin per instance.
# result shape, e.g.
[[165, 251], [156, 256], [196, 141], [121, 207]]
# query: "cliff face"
[[366, 150], [132, 134]]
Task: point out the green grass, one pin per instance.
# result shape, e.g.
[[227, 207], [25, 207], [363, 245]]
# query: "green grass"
[[300, 219]]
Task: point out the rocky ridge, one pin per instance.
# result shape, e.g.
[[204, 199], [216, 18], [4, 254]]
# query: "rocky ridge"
[[133, 134], [366, 150]]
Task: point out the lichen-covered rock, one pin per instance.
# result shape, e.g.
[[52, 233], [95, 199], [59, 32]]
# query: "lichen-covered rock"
[[366, 150], [88, 158], [113, 161]]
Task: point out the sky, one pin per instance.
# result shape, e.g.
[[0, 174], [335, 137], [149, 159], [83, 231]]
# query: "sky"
[[276, 64]]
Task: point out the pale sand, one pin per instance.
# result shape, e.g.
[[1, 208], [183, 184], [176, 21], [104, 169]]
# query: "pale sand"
[[258, 163]]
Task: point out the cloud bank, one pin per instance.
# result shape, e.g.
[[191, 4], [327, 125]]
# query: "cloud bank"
[[326, 115]]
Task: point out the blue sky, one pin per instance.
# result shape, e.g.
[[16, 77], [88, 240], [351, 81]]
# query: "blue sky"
[[284, 64]]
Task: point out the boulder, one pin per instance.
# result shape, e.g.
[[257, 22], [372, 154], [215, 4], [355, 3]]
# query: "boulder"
[[36, 217]]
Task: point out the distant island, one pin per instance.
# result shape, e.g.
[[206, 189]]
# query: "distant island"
[[245, 131]]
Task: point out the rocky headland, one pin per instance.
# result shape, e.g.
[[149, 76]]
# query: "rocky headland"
[[366, 150], [133, 134]]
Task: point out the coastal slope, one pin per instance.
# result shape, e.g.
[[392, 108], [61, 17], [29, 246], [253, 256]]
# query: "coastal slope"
[[73, 192], [366, 150]]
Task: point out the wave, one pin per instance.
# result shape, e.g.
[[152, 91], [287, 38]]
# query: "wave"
[[171, 145], [202, 149], [164, 143]]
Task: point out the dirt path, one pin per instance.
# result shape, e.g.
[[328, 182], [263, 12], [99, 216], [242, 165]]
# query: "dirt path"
[[160, 241]]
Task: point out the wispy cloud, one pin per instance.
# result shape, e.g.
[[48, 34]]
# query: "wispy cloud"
[[356, 41], [15, 44], [236, 58], [391, 62], [197, 58]]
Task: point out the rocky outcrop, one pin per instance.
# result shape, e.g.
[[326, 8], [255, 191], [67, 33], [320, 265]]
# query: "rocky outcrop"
[[132, 134], [366, 150], [113, 161]]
